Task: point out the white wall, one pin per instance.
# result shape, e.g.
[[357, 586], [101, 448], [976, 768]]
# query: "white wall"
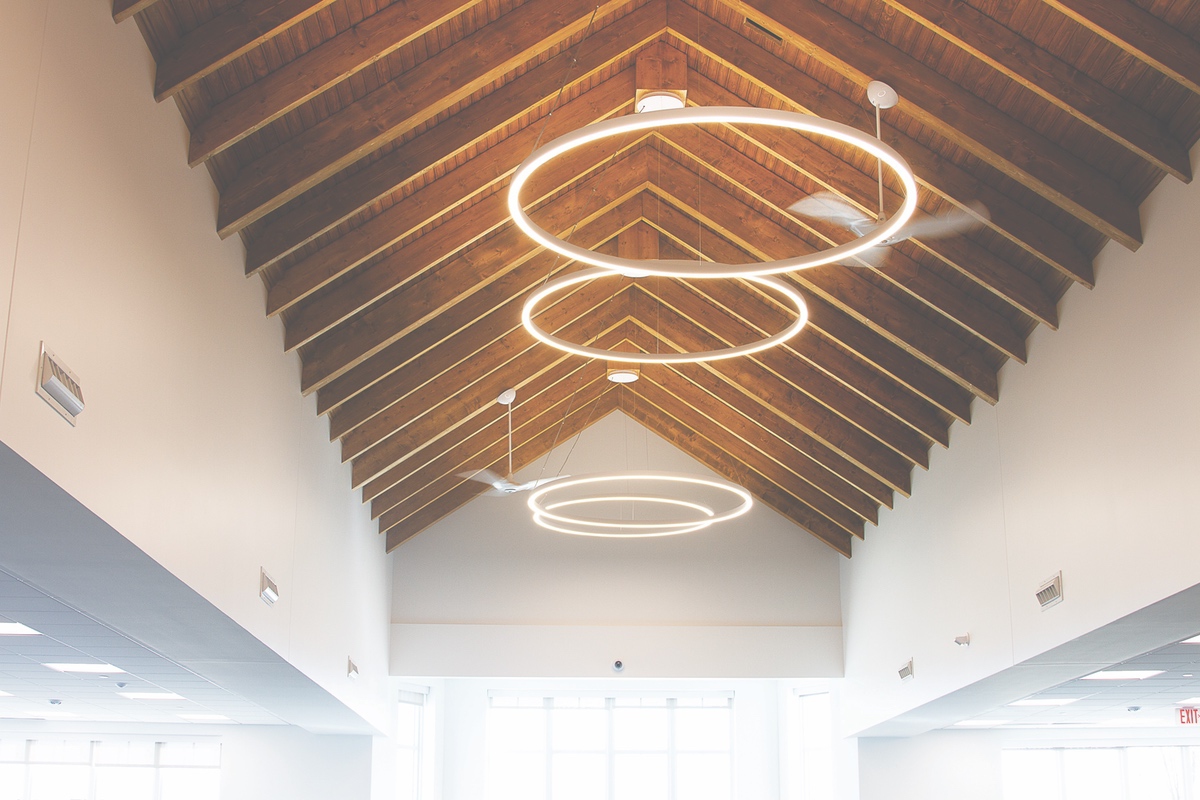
[[195, 442], [1088, 465], [486, 592]]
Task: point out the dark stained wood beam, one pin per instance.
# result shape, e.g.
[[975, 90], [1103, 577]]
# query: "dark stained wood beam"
[[819, 165], [1141, 34], [219, 41], [124, 9], [486, 320], [488, 170], [777, 193], [417, 96], [1052, 79], [304, 219], [457, 492], [372, 330], [941, 105], [767, 241], [294, 83], [843, 330], [762, 489], [797, 90]]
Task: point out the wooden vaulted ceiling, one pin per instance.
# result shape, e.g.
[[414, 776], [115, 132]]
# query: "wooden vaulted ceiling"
[[362, 151]]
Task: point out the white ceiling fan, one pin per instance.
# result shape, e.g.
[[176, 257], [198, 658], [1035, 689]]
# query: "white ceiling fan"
[[504, 485], [828, 207]]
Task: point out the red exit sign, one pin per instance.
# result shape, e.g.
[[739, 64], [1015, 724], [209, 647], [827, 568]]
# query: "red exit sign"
[[1189, 716]]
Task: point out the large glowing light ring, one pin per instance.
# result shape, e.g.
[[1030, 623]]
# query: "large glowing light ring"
[[583, 276], [673, 268], [546, 514]]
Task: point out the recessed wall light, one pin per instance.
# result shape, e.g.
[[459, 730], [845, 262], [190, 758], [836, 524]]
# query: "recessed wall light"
[[1122, 674], [150, 695], [17, 629], [204, 717], [268, 590], [91, 669], [1045, 701]]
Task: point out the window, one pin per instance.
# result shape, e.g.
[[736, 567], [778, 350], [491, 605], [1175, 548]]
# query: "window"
[[610, 748], [809, 759], [410, 734], [1102, 773], [78, 769]]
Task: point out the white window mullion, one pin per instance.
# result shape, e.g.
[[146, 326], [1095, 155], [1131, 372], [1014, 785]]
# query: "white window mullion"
[[671, 760]]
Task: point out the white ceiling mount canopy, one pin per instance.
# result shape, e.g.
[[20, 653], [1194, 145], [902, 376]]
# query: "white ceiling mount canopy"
[[882, 95], [729, 115], [529, 310]]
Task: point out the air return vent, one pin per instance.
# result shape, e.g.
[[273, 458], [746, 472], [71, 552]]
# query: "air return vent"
[[59, 386], [758, 26], [1050, 593], [906, 671]]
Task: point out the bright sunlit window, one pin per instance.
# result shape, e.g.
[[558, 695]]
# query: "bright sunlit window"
[[610, 748], [50, 769], [1102, 773], [809, 757], [410, 736]]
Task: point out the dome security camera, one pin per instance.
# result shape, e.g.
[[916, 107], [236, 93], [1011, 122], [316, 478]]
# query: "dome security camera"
[[618, 666]]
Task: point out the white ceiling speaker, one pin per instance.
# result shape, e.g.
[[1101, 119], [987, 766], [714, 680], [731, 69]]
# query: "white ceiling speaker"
[[628, 374], [59, 386], [881, 95]]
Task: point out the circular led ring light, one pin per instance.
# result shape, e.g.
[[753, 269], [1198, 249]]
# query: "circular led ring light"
[[583, 276], [543, 514], [617, 498], [673, 268]]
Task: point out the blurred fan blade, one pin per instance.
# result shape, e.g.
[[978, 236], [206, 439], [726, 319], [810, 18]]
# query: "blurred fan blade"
[[483, 476], [530, 485], [949, 224], [831, 208], [873, 257]]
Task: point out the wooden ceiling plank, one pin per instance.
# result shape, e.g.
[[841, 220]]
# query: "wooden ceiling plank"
[[766, 492], [416, 96], [584, 314], [725, 441], [767, 187], [851, 337], [424, 206], [824, 406], [225, 37], [124, 9], [789, 402], [488, 319], [815, 348], [463, 491], [839, 285], [976, 262], [1141, 34], [370, 331], [297, 223], [796, 89], [490, 442], [326, 65], [961, 117], [1052, 79]]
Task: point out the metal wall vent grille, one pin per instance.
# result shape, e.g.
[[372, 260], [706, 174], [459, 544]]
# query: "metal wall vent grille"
[[1050, 593]]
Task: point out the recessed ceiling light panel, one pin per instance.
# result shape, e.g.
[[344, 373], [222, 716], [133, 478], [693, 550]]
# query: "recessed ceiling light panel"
[[1122, 674], [89, 669], [17, 629], [1045, 701], [204, 717], [981, 723], [150, 695]]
